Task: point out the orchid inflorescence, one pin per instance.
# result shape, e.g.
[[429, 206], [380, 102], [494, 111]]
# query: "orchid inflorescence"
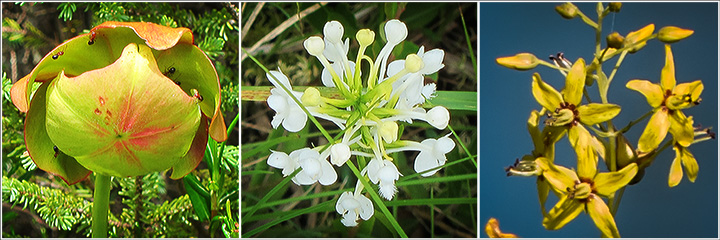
[[367, 111]]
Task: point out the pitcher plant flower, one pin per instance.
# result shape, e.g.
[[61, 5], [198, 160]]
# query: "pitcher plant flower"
[[125, 99]]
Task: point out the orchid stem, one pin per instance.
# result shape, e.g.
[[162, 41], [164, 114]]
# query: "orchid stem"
[[101, 205]]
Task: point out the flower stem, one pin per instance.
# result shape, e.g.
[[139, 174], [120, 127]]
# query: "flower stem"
[[101, 205]]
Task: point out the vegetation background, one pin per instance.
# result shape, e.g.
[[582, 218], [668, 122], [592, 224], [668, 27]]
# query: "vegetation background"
[[37, 204], [279, 45]]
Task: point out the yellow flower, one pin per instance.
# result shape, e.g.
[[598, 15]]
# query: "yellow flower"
[[682, 155], [583, 190], [667, 99], [492, 228], [567, 112]]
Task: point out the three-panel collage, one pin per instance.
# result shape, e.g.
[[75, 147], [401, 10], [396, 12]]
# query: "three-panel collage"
[[470, 119]]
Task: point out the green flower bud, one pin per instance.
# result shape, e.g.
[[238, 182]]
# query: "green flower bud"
[[314, 45], [521, 61], [672, 34], [388, 131], [615, 40], [365, 37], [567, 10], [311, 97], [615, 6], [413, 63]]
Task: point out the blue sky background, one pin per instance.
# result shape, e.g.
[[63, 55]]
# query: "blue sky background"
[[649, 208]]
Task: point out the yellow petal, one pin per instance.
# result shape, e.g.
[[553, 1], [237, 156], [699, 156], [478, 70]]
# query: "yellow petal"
[[667, 75], [608, 182], [532, 126], [581, 141], [655, 131], [671, 34], [639, 37], [691, 165], [653, 93], [564, 211], [521, 61], [685, 95], [492, 228], [602, 217], [574, 83], [681, 128], [676, 173], [545, 94], [595, 113], [543, 188], [559, 177]]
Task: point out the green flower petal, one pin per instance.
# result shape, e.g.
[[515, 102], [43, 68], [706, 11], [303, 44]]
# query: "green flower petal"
[[193, 70], [545, 94], [564, 211], [559, 177], [77, 57], [40, 147], [602, 217], [655, 131], [595, 113], [653, 93], [681, 128], [126, 119], [574, 83], [676, 173], [667, 75], [196, 153], [608, 182], [581, 141]]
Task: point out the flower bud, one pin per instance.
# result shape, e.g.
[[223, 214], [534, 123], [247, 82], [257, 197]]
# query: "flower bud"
[[438, 117], [395, 31], [388, 131], [567, 10], [311, 97], [333, 31], [413, 63], [614, 6], [365, 37], [339, 154], [671, 34], [639, 37], [615, 40], [521, 61], [314, 45]]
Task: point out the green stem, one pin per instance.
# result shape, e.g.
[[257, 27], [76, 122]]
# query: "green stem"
[[101, 205], [626, 128]]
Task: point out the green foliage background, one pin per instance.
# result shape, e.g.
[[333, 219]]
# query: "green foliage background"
[[309, 211], [38, 204]]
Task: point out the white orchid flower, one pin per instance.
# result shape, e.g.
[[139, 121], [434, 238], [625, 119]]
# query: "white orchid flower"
[[354, 206], [287, 111]]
